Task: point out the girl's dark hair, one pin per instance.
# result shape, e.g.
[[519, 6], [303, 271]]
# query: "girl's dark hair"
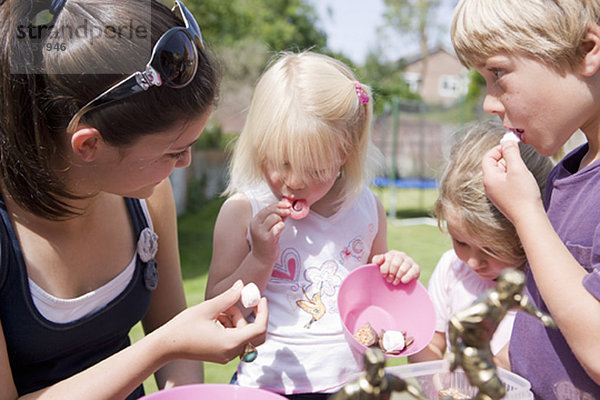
[[35, 108]]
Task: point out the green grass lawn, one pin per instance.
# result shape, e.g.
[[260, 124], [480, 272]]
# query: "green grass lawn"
[[424, 243]]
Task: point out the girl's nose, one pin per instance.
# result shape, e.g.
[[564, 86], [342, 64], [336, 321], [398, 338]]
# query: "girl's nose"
[[293, 181], [184, 161], [475, 259]]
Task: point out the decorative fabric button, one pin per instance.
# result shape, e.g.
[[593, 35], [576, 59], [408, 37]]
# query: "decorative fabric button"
[[151, 274], [147, 245]]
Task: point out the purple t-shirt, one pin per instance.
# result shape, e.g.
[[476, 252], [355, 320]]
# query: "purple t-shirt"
[[540, 354]]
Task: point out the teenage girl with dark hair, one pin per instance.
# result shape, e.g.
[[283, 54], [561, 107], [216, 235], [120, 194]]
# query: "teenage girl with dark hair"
[[91, 126]]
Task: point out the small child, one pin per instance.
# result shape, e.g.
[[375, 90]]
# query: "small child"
[[485, 242], [541, 60], [303, 152]]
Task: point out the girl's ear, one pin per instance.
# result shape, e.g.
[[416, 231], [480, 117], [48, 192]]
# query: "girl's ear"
[[85, 143], [590, 47]]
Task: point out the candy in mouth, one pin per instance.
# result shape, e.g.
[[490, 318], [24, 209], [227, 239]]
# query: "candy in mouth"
[[299, 208], [511, 134]]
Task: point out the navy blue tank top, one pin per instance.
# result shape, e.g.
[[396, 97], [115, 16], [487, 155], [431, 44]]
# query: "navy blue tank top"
[[42, 352]]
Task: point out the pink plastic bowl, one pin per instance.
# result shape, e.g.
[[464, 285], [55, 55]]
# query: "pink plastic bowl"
[[213, 391], [365, 296]]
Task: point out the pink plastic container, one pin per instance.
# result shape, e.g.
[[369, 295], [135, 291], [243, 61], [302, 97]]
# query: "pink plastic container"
[[213, 391], [365, 296]]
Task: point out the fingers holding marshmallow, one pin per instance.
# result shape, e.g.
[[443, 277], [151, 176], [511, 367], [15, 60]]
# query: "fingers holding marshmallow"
[[250, 295]]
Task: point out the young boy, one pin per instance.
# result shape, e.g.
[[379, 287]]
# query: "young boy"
[[540, 60]]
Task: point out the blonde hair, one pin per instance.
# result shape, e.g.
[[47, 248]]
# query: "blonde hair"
[[548, 30], [305, 112], [462, 193]]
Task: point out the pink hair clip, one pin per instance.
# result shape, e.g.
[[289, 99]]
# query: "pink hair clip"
[[362, 95]]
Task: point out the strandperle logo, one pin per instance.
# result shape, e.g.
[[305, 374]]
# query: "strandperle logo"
[[82, 31], [38, 35]]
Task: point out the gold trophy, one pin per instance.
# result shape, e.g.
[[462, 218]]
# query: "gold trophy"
[[471, 330], [375, 383]]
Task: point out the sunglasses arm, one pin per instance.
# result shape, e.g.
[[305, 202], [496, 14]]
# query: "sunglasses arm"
[[136, 82]]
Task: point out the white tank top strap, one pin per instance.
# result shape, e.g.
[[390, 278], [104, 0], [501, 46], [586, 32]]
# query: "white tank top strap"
[[61, 310]]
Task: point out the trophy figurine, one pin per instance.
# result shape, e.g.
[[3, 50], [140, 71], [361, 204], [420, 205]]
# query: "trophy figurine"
[[471, 329], [375, 383]]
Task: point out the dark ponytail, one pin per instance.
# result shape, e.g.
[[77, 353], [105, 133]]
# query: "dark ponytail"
[[25, 146]]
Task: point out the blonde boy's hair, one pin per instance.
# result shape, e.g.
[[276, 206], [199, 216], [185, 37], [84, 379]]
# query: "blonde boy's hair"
[[305, 113], [462, 194], [548, 30]]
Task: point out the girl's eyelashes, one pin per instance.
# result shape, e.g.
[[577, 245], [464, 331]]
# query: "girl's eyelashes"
[[178, 155], [321, 174], [459, 243]]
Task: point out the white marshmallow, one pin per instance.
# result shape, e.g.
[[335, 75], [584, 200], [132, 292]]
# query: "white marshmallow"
[[510, 135], [250, 295], [393, 341]]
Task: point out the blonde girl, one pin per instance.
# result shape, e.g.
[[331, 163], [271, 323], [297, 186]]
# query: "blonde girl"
[[306, 141], [483, 239]]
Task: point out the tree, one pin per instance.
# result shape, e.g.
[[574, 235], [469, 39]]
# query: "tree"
[[386, 80], [278, 24], [475, 94], [245, 34], [413, 17]]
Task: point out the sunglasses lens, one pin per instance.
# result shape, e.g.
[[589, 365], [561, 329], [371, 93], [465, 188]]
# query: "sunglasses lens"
[[190, 22], [175, 59]]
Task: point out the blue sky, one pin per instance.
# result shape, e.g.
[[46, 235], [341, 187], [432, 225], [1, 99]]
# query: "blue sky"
[[352, 28]]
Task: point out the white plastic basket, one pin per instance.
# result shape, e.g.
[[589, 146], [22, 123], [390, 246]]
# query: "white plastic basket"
[[433, 376]]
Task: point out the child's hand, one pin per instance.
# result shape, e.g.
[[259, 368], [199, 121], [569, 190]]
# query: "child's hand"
[[508, 183], [395, 266], [265, 228]]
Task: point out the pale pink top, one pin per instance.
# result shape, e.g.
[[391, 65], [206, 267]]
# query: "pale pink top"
[[454, 286]]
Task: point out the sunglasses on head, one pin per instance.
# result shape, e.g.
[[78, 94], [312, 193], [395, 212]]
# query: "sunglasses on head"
[[173, 63]]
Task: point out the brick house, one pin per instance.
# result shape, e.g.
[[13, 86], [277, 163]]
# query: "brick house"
[[445, 80]]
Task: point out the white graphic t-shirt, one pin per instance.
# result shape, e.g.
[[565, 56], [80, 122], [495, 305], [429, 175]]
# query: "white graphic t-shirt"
[[305, 350]]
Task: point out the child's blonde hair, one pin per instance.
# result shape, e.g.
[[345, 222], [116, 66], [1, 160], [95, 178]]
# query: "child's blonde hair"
[[306, 112], [462, 193], [548, 30]]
